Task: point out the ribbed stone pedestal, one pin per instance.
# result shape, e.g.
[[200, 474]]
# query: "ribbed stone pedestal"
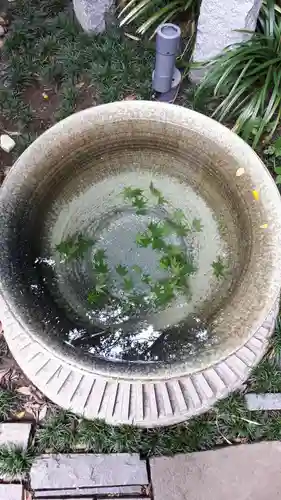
[[146, 403]]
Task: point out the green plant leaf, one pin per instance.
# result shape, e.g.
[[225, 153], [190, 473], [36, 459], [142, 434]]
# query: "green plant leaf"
[[128, 284], [165, 262], [137, 269], [155, 14], [218, 268], [140, 204], [121, 270], [197, 225], [136, 11], [277, 147], [245, 80], [159, 15], [99, 262], [96, 297], [278, 179], [129, 193], [74, 247], [163, 292], [143, 240], [137, 199], [146, 278], [158, 244], [155, 192]]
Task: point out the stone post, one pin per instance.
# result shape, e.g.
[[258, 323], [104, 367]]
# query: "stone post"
[[218, 25], [91, 14]]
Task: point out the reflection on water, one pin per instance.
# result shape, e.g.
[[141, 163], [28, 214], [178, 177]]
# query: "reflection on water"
[[145, 343], [136, 278]]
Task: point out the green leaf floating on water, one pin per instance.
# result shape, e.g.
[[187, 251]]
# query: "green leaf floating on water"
[[218, 268], [178, 222], [74, 247], [155, 192], [99, 263], [173, 258], [137, 199], [128, 284], [155, 230], [146, 278], [140, 204], [137, 269], [96, 297], [121, 270], [163, 292], [130, 193], [196, 225], [143, 240]]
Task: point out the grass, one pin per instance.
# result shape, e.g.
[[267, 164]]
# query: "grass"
[[57, 434], [227, 423], [56, 51], [149, 14], [46, 49], [8, 404], [14, 462], [244, 81]]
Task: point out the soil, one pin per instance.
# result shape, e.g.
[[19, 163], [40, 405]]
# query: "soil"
[[6, 159], [31, 404], [44, 102]]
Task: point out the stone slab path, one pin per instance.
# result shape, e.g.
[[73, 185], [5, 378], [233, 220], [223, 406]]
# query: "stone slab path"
[[16, 434], [89, 474], [243, 472], [11, 492], [267, 402]]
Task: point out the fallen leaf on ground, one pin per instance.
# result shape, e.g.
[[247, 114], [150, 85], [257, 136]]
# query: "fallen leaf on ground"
[[132, 37], [15, 374], [131, 97], [20, 414], [250, 421], [146, 490], [38, 397], [255, 194], [240, 172], [6, 170], [24, 390], [12, 133], [33, 409], [3, 373], [42, 413], [242, 440]]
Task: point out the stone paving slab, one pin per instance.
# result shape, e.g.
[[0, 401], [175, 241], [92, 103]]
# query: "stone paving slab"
[[15, 434], [269, 401], [11, 492], [248, 472], [87, 470], [103, 491]]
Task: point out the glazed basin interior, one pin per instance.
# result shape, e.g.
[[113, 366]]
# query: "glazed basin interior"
[[65, 180]]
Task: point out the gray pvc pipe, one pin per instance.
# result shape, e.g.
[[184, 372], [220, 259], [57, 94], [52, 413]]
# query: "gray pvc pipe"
[[167, 46]]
